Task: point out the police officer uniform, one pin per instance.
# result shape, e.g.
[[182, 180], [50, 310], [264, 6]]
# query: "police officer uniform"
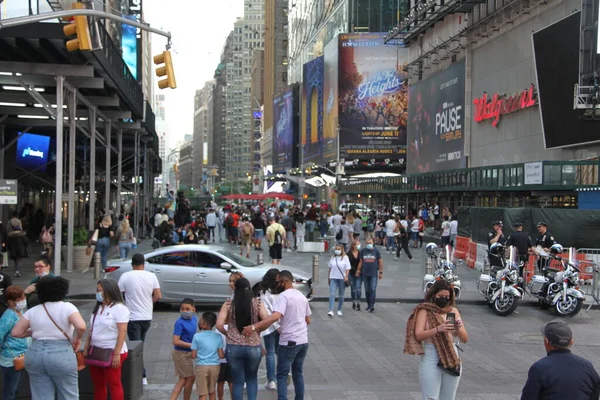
[[522, 242], [494, 261], [545, 241]]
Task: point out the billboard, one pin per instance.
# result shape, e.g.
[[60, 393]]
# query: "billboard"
[[32, 152], [283, 129], [330, 93], [373, 98], [129, 46], [436, 112], [312, 111], [562, 125]]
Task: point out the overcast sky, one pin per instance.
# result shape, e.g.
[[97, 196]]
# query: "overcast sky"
[[199, 29]]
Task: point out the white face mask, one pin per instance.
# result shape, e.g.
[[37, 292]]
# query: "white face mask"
[[338, 252], [21, 305]]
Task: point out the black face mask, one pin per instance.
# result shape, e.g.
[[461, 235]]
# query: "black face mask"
[[441, 302], [280, 288]]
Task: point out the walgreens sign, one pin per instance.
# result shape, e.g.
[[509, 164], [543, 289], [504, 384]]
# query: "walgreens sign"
[[494, 107]]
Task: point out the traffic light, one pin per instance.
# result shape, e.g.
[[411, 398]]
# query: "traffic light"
[[165, 71], [78, 27]]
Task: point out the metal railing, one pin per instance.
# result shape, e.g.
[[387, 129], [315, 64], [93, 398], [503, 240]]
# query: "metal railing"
[[591, 265]]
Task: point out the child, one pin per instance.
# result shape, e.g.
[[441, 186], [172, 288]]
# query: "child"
[[207, 348], [183, 333], [224, 373]]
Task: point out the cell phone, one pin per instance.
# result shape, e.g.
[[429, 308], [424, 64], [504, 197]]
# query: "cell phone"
[[291, 344], [451, 317]]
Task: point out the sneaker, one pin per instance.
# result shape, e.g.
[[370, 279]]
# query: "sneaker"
[[395, 258], [354, 306], [372, 309], [145, 381], [17, 274], [339, 313], [358, 307], [271, 385], [368, 308], [330, 313]]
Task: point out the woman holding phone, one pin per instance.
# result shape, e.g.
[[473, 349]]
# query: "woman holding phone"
[[430, 332]]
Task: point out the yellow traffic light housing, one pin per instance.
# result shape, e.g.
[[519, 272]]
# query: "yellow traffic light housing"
[[78, 27], [165, 71]]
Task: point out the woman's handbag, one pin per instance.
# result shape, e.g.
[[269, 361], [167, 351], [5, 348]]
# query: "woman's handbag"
[[97, 356], [19, 362], [454, 371], [78, 354]]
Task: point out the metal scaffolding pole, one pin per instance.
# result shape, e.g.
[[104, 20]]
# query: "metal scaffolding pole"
[[136, 185], [72, 107], [119, 169], [107, 128], [146, 186], [3, 213], [59, 175], [92, 198]]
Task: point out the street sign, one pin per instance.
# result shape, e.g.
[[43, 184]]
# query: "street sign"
[[8, 191]]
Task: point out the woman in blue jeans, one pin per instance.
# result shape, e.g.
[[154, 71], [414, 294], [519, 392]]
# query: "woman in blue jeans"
[[105, 234], [125, 235], [355, 280], [243, 352], [339, 267], [10, 346], [267, 293], [56, 328]]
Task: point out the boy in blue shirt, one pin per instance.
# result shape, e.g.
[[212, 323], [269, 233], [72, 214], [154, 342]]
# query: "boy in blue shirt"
[[207, 348], [183, 333]]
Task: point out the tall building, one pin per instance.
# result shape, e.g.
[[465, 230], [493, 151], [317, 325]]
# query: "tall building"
[[203, 131], [186, 166], [218, 146], [257, 71], [275, 68], [162, 130]]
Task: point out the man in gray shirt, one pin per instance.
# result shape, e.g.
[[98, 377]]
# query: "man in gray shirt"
[[346, 233]]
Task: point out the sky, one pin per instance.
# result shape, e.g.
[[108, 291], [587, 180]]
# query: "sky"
[[199, 29]]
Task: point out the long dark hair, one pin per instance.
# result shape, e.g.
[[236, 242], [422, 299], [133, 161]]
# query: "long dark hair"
[[110, 291], [269, 281], [438, 286], [241, 308]]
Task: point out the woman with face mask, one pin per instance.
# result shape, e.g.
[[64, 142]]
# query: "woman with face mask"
[[430, 332], [355, 280], [11, 347], [339, 268]]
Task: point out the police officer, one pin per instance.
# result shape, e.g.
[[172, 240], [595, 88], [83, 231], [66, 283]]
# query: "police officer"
[[496, 236], [522, 242], [545, 241]]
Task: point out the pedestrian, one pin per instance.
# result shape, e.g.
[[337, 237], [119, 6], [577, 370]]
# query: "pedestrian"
[[370, 267], [300, 230], [259, 230], [355, 280], [288, 225], [125, 235], [51, 362], [107, 332], [339, 268], [183, 333], [401, 235], [207, 348], [246, 235], [17, 242], [343, 233], [211, 223], [293, 313], [244, 352], [390, 226], [191, 236], [421, 231], [543, 244], [445, 232], [12, 347], [47, 238], [430, 333], [41, 268], [453, 230], [224, 373], [268, 296], [275, 236], [141, 290], [5, 283], [414, 231], [561, 374], [105, 234]]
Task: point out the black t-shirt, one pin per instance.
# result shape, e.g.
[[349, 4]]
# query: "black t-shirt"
[[546, 240], [259, 223], [521, 241], [104, 232], [491, 235], [353, 263]]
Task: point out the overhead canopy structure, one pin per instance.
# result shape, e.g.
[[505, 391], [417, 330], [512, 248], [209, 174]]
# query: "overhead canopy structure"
[[281, 196]]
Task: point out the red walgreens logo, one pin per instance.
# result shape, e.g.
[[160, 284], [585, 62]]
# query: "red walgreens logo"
[[494, 107]]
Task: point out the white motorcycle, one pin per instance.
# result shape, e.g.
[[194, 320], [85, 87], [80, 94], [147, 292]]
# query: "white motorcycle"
[[501, 287], [442, 268]]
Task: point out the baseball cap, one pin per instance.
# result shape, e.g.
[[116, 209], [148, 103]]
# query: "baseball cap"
[[542, 224], [558, 333], [498, 223]]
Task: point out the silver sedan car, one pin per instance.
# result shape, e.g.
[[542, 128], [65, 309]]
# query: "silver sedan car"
[[201, 272]]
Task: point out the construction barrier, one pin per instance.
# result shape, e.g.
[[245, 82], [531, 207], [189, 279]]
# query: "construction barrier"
[[472, 255], [462, 247]]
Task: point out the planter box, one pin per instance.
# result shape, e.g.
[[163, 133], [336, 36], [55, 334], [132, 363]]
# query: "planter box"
[[81, 261]]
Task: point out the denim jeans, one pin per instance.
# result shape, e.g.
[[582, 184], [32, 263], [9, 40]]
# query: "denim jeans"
[[370, 290], [211, 233], [403, 245], [102, 246], [355, 287], [390, 243], [272, 348], [136, 330], [10, 382], [291, 357], [336, 285], [243, 363], [435, 383], [52, 367], [310, 226], [124, 248]]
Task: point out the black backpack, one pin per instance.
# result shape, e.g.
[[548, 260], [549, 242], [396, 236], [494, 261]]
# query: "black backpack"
[[277, 239], [339, 235], [229, 219]]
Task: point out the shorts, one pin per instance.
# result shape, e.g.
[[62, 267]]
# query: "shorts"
[[259, 234], [275, 251], [184, 363], [206, 379], [246, 239], [290, 236], [233, 231], [224, 373]]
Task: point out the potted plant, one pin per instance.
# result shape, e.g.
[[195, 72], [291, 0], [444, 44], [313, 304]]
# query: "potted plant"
[[81, 258]]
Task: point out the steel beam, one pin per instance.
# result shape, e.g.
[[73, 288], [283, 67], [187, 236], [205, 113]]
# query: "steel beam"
[[107, 128], [92, 198], [136, 184], [70, 70], [81, 113], [119, 168], [47, 81], [100, 124], [59, 176], [72, 104]]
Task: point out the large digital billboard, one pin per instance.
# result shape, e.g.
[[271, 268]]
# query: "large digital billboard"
[[33, 152], [436, 118], [330, 93], [312, 111], [283, 129], [373, 98], [129, 44]]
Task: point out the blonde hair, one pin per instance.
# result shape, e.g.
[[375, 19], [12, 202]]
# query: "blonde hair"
[[342, 247], [350, 219], [107, 220], [125, 225]]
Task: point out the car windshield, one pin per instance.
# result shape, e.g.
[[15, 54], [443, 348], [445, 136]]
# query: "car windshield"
[[243, 261]]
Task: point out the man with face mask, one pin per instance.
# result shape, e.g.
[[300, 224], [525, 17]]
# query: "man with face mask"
[[371, 268], [41, 268]]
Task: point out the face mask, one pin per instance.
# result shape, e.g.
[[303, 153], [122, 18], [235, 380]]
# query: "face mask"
[[358, 247], [370, 246], [42, 274], [187, 314], [280, 288], [441, 302], [338, 252], [21, 305], [99, 297]]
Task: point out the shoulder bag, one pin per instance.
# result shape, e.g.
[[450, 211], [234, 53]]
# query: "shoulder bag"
[[78, 353], [97, 356], [347, 282]]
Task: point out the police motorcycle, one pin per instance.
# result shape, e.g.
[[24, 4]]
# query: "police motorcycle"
[[501, 287], [559, 289], [442, 268]]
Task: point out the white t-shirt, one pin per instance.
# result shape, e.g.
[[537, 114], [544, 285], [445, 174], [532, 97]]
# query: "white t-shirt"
[[445, 228], [344, 265], [211, 219], [42, 327], [454, 227], [415, 225], [268, 300], [138, 286], [436, 210], [294, 308], [404, 223], [390, 225], [105, 328]]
